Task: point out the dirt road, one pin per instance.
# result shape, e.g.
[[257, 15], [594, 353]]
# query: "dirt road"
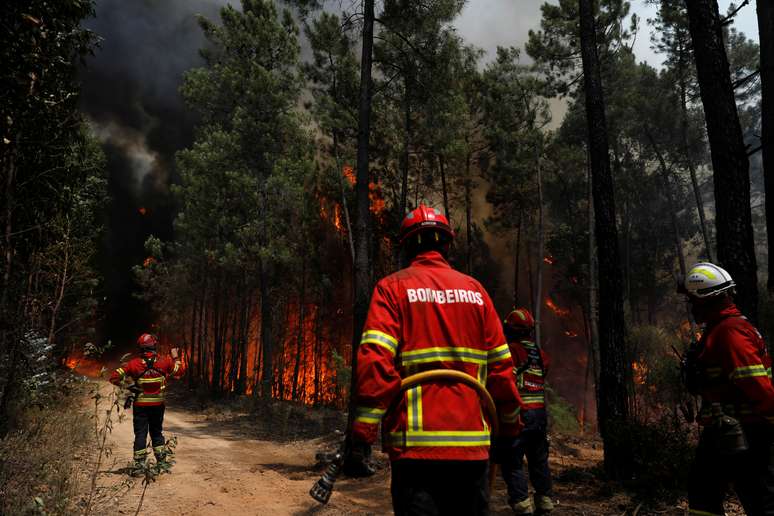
[[231, 463], [219, 471]]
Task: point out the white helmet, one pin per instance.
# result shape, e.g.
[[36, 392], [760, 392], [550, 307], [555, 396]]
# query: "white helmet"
[[707, 279]]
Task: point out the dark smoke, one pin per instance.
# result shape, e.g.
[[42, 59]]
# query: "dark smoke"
[[130, 94]]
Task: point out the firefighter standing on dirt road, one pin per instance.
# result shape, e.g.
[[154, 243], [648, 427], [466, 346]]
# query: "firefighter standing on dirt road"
[[150, 374], [730, 369], [430, 317], [530, 368]]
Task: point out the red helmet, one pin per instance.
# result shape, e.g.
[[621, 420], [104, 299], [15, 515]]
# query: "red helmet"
[[519, 319], [424, 218], [147, 341]]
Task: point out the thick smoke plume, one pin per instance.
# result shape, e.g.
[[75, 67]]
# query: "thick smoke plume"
[[130, 94]]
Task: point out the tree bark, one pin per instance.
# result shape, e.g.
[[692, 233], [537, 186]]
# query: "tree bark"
[[362, 279], [62, 284], [541, 250], [613, 408], [444, 188], [665, 173], [266, 332], [736, 251], [766, 32], [692, 168], [516, 268], [468, 218], [300, 336], [405, 158]]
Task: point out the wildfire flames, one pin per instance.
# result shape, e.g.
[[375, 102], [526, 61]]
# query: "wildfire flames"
[[561, 312], [143, 211], [336, 216], [549, 260], [81, 364], [571, 334], [640, 373]]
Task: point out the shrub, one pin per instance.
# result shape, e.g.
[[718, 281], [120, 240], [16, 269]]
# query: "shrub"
[[661, 453], [562, 415], [37, 472]]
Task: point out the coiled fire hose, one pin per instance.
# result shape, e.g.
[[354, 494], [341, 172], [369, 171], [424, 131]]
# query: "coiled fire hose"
[[322, 489]]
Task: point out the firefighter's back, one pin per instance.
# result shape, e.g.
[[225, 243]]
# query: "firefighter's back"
[[444, 315]]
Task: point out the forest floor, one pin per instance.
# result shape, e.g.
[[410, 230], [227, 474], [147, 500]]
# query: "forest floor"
[[232, 461]]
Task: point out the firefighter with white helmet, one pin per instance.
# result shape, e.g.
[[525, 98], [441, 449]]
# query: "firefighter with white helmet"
[[730, 369]]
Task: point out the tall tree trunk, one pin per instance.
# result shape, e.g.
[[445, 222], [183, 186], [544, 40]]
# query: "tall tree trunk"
[[362, 279], [300, 336], [266, 331], [63, 281], [444, 188], [468, 218], [736, 251], [665, 173], [613, 406], [593, 312], [405, 158], [766, 31], [692, 169], [516, 267], [541, 245]]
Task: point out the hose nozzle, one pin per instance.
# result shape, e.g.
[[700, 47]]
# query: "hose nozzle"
[[322, 489]]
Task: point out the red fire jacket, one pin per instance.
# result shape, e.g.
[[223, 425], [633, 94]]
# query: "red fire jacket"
[[429, 316], [736, 370], [152, 380], [530, 365]]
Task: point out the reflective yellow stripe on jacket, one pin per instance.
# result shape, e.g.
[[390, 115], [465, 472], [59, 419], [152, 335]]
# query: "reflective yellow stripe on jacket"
[[380, 338], [411, 438], [499, 353], [750, 371], [369, 415]]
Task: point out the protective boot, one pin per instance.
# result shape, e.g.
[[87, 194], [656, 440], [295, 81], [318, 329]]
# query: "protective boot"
[[522, 508], [163, 462], [543, 504], [137, 468]]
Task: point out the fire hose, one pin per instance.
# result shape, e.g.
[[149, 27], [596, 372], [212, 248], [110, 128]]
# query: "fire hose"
[[322, 489]]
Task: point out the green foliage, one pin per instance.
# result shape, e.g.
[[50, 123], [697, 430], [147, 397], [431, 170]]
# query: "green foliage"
[[53, 188], [343, 374], [662, 452], [562, 415], [659, 391], [556, 46]]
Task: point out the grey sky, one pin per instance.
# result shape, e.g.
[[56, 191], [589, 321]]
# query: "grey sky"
[[489, 23]]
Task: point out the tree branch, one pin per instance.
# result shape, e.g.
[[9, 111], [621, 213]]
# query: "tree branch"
[[730, 18]]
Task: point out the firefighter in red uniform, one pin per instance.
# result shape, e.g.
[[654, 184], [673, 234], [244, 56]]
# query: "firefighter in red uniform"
[[429, 317], [530, 368], [730, 369], [149, 374]]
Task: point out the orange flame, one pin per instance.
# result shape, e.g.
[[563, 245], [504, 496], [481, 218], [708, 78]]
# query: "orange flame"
[[143, 211], [571, 334], [549, 259], [349, 174], [561, 312], [81, 364], [150, 260], [640, 372]]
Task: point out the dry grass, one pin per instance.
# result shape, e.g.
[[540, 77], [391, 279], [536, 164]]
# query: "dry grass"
[[39, 468]]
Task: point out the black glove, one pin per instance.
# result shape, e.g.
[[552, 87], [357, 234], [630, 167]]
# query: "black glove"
[[357, 463]]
